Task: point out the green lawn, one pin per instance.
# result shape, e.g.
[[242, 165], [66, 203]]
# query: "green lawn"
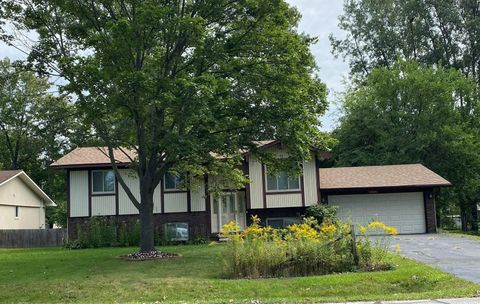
[[472, 235], [97, 275]]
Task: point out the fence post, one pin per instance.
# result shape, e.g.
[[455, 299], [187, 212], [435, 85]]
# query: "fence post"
[[353, 241]]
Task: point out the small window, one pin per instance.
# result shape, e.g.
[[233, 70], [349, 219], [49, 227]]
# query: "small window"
[[282, 222], [17, 212], [103, 181], [172, 182], [176, 231], [282, 182]]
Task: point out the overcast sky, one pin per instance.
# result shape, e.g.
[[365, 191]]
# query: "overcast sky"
[[319, 18]]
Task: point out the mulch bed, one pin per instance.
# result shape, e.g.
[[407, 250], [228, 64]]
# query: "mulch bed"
[[147, 256]]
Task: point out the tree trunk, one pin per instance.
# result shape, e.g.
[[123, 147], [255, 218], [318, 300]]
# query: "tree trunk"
[[474, 216], [147, 243], [463, 217]]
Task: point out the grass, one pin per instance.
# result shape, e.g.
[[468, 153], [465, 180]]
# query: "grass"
[[472, 235], [97, 275]]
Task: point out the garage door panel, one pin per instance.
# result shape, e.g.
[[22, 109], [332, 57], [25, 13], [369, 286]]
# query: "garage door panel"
[[404, 211]]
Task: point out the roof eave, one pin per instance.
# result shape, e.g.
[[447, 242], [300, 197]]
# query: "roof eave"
[[86, 166], [387, 187]]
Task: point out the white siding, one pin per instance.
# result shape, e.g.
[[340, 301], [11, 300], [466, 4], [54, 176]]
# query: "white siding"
[[198, 195], [157, 199], [256, 186], [284, 200], [28, 217], [78, 193], [103, 205], [175, 202], [16, 192], [310, 182], [125, 206]]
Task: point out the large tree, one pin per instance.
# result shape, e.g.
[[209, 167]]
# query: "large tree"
[[35, 126], [414, 114], [443, 32], [179, 82]]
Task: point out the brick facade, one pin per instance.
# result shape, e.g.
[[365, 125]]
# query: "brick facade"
[[198, 222]]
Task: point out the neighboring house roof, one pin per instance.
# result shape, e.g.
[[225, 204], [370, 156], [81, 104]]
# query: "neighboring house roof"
[[392, 176], [9, 175]]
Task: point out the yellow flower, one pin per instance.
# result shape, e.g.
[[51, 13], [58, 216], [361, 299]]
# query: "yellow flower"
[[362, 229], [376, 224], [329, 229]]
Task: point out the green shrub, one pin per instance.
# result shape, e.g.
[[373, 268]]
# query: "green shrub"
[[322, 213], [105, 232]]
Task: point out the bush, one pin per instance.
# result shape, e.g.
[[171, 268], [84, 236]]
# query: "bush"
[[321, 213], [105, 232], [302, 249]]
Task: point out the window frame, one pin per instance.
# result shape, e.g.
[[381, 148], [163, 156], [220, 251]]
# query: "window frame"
[[294, 220], [177, 184], [175, 239], [100, 193], [289, 190]]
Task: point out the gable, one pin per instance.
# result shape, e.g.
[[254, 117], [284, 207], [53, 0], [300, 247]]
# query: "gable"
[[17, 192]]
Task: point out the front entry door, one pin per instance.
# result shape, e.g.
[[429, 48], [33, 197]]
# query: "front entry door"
[[226, 208]]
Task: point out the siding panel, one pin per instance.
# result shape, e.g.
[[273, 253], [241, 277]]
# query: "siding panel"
[[310, 182], [103, 205], [256, 190], [125, 206], [198, 195], [78, 193], [284, 200], [175, 202]]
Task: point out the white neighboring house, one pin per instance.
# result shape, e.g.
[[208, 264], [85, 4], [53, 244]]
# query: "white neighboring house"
[[22, 202]]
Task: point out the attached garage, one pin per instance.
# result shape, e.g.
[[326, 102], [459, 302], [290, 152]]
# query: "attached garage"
[[401, 196], [405, 211]]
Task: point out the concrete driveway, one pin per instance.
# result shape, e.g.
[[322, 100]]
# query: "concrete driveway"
[[453, 254]]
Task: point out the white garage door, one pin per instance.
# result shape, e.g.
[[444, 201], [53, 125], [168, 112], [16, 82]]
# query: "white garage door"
[[404, 211]]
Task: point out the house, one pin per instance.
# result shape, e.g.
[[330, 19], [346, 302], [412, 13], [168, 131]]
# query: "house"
[[400, 195], [22, 202]]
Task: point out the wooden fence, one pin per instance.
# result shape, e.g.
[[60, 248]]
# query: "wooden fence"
[[25, 238]]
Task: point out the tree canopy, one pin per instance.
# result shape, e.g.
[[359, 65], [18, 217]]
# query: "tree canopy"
[[415, 114], [443, 32], [181, 81]]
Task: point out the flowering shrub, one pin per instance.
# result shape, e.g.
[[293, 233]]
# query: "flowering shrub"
[[308, 248]]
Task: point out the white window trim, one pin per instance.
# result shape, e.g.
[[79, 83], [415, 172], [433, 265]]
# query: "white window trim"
[[265, 178], [102, 192]]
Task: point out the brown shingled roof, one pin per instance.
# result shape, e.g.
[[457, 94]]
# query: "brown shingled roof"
[[98, 156], [8, 174], [93, 156], [392, 176]]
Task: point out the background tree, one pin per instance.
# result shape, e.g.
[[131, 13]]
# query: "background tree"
[[414, 114], [443, 32], [180, 81], [34, 128]]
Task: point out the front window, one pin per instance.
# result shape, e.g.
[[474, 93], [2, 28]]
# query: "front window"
[[103, 181], [172, 182], [282, 182], [176, 231], [282, 222]]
